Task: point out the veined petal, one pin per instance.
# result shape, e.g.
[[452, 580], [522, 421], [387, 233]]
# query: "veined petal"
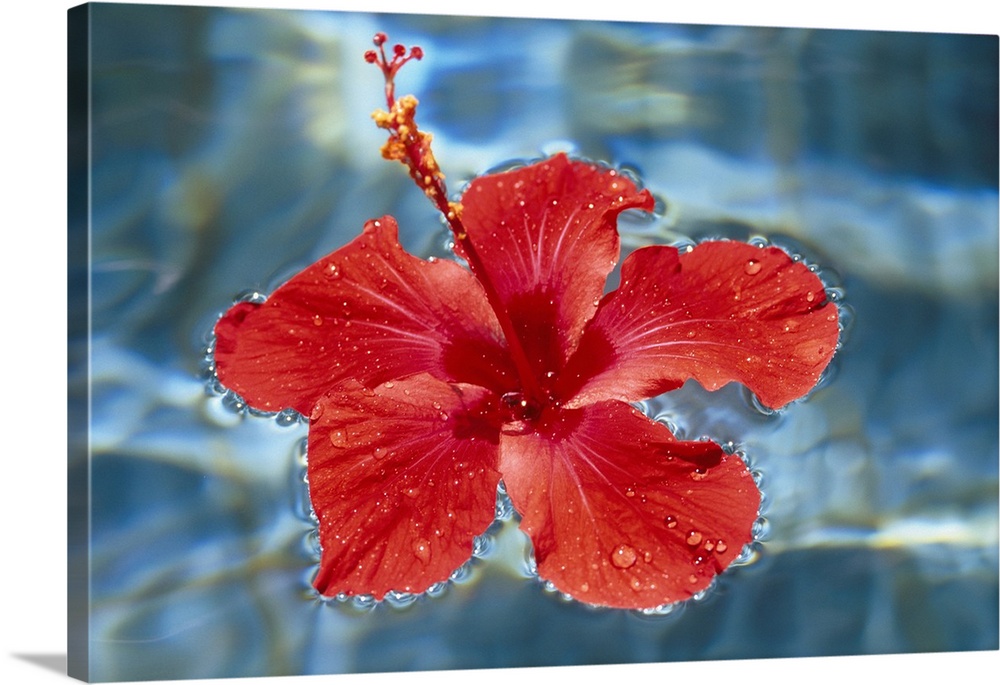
[[369, 311], [620, 513], [548, 234], [724, 311], [402, 477]]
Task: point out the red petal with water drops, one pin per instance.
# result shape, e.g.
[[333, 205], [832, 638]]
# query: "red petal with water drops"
[[619, 512], [402, 477], [369, 311], [723, 311], [548, 237]]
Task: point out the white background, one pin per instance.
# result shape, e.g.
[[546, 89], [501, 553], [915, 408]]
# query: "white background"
[[33, 331]]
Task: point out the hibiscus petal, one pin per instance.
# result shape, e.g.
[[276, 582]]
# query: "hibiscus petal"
[[369, 311], [620, 513], [402, 477], [723, 311], [549, 239]]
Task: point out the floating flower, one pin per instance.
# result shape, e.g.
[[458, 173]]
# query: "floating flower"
[[426, 382]]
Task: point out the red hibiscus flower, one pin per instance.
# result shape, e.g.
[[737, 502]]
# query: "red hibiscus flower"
[[426, 382]]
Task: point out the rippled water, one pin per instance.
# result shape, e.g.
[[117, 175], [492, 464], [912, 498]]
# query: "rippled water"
[[233, 147]]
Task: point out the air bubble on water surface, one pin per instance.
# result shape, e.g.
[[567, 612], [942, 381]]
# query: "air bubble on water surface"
[[400, 600], [641, 406], [437, 589], [288, 417], [660, 206], [845, 321], [728, 446], [632, 173], [251, 296], [825, 378], [705, 592], [311, 544], [363, 602], [550, 588], [462, 574], [748, 555], [233, 402], [684, 245], [259, 413], [528, 564], [835, 295], [504, 508], [301, 451], [669, 420], [482, 545], [301, 502], [761, 529], [753, 402], [662, 611]]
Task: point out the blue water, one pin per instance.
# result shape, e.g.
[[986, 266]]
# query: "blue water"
[[232, 147]]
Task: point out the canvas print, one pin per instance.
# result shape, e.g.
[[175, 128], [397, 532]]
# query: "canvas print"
[[414, 342]]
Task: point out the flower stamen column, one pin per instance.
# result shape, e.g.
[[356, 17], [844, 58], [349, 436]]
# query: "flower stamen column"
[[411, 147]]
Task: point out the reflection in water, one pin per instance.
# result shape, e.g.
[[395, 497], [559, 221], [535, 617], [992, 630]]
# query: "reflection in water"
[[233, 147]]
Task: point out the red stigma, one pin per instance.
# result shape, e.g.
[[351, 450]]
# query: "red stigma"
[[388, 66]]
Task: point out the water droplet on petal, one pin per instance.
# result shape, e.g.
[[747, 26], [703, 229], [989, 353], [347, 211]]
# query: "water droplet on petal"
[[752, 267], [332, 271], [721, 547], [317, 320], [694, 538], [623, 556], [670, 521], [422, 550], [810, 296], [338, 438]]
